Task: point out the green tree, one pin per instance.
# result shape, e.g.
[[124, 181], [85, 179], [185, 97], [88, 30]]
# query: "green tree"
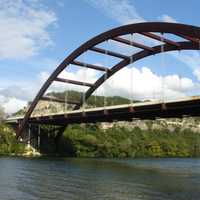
[[2, 114]]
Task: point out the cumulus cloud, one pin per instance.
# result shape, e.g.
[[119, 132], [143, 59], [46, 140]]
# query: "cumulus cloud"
[[167, 18], [147, 85], [12, 104], [23, 28], [136, 83], [132, 82], [16, 96], [84, 75]]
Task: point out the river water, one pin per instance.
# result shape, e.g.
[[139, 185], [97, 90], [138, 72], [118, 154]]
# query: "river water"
[[99, 179]]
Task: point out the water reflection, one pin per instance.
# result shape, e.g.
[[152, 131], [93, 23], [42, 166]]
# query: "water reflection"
[[86, 179]]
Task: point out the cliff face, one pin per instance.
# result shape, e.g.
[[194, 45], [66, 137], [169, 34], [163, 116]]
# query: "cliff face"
[[171, 124]]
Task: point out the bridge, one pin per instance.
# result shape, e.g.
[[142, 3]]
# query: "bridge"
[[189, 39], [188, 107]]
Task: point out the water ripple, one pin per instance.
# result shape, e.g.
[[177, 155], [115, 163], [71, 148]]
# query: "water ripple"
[[88, 179]]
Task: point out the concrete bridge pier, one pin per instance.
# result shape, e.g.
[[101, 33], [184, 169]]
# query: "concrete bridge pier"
[[38, 137], [34, 136], [43, 139], [31, 138]]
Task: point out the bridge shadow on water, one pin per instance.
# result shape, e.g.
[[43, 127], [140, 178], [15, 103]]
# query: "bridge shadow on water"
[[51, 142]]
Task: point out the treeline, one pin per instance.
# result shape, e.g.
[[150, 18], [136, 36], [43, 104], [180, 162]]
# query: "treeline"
[[116, 142], [94, 100], [121, 142]]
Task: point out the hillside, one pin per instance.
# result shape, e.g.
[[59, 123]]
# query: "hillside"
[[93, 101]]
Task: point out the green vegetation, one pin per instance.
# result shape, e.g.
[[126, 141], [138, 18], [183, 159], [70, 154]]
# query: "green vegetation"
[[8, 143], [116, 142], [2, 113], [91, 141], [74, 96], [97, 101]]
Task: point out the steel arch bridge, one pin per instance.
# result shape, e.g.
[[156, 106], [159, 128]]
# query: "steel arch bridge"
[[151, 30]]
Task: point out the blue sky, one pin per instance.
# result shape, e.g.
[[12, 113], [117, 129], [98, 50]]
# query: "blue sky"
[[36, 35]]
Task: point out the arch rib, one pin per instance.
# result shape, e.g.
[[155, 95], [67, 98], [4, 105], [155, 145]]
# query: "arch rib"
[[177, 29], [136, 57]]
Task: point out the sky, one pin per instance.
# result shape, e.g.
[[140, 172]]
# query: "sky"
[[36, 35]]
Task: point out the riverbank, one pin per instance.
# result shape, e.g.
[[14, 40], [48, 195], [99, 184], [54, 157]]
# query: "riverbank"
[[115, 142], [122, 142]]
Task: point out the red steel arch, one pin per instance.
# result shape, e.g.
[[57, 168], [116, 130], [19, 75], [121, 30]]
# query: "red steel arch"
[[190, 34]]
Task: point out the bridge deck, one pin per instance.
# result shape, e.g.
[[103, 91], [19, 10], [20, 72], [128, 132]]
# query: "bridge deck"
[[145, 110]]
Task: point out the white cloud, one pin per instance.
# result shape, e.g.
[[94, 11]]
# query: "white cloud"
[[120, 10], [19, 92], [167, 18], [145, 84], [12, 105], [197, 73], [26, 24], [23, 28], [182, 84], [83, 75], [124, 11], [16, 96]]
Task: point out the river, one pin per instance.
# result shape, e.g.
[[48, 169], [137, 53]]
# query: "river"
[[99, 179]]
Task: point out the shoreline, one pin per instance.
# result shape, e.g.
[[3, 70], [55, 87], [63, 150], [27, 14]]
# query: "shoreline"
[[61, 156]]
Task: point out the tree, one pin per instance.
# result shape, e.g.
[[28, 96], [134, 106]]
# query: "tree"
[[2, 113]]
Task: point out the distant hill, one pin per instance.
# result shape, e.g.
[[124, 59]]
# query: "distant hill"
[[93, 101]]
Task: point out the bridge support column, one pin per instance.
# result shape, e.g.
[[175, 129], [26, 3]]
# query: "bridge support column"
[[38, 138], [29, 135]]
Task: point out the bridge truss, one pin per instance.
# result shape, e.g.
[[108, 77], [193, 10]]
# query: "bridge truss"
[[157, 31]]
